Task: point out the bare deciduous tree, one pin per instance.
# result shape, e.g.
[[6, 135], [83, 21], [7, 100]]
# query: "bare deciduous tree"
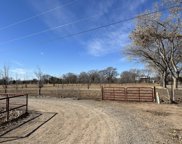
[[132, 76], [40, 80], [70, 78], [84, 78], [158, 42], [94, 76], [110, 74], [5, 77]]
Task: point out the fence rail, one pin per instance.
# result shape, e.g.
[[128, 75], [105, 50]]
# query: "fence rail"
[[7, 97], [141, 94]]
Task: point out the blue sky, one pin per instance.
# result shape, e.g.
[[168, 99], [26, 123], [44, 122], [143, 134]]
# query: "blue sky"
[[31, 31]]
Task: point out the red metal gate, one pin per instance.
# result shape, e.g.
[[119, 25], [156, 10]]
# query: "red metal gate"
[[138, 94]]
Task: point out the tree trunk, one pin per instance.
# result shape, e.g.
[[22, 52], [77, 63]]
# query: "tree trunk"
[[62, 85], [5, 90], [164, 83], [174, 82], [164, 79], [172, 90], [39, 91], [177, 79], [88, 85]]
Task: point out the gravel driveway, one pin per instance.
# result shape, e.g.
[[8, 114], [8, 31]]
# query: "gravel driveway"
[[99, 122]]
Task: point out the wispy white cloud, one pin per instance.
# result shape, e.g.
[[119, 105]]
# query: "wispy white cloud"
[[55, 18], [104, 42], [95, 47], [60, 20], [111, 41], [100, 7]]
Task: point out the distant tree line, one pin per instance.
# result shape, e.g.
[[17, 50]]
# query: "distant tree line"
[[107, 75]]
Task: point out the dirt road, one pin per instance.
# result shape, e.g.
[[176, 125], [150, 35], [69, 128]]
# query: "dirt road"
[[98, 122]]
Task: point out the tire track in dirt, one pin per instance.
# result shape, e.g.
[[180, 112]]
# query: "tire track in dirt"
[[74, 123], [102, 122]]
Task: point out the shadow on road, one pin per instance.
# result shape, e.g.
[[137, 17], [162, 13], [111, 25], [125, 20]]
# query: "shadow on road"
[[27, 127]]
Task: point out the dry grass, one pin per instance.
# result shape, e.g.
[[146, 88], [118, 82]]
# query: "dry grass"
[[81, 90], [68, 90]]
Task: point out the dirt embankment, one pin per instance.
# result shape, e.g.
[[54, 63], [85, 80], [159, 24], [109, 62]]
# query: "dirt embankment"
[[100, 122]]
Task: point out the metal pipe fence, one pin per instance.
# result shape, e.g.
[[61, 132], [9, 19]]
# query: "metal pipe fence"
[[137, 94], [10, 102]]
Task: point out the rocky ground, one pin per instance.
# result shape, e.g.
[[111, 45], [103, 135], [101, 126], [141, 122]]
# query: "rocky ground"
[[12, 115]]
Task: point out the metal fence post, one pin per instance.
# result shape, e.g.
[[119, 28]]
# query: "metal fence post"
[[7, 107]]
